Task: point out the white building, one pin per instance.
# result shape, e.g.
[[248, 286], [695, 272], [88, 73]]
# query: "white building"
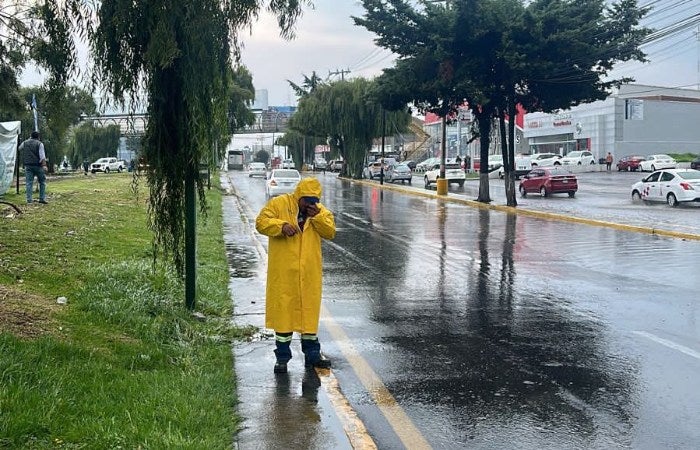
[[634, 120]]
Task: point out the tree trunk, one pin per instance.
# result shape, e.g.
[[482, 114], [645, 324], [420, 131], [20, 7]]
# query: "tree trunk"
[[484, 119]]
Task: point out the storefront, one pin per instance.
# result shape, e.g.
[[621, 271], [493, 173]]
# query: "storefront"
[[634, 120]]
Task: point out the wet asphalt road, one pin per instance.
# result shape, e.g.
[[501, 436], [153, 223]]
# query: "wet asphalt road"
[[501, 331]]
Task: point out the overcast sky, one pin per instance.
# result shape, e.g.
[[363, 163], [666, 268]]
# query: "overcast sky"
[[327, 41]]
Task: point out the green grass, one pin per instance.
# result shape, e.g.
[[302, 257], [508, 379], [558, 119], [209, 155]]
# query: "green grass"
[[123, 365], [683, 157]]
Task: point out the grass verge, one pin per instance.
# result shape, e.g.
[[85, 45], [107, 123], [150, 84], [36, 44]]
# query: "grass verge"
[[123, 364]]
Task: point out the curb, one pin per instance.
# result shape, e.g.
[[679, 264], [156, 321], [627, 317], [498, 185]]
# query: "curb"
[[533, 213]]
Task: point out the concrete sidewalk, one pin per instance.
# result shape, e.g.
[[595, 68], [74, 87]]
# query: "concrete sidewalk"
[[300, 409]]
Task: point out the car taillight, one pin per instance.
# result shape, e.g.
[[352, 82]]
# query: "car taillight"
[[687, 187]]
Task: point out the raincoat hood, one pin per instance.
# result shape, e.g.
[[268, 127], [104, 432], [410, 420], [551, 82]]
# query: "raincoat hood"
[[308, 187]]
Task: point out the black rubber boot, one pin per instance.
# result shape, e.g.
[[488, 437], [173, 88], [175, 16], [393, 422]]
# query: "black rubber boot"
[[283, 354], [312, 354]]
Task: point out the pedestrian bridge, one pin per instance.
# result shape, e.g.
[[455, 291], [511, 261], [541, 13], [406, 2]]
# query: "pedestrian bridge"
[[266, 121]]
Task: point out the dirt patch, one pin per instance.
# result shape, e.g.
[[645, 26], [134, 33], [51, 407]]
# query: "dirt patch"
[[25, 315]]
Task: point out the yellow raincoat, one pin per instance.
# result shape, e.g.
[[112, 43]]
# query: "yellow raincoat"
[[294, 268]]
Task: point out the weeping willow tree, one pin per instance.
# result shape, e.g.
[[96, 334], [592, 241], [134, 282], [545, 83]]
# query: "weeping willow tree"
[[180, 54], [350, 118]]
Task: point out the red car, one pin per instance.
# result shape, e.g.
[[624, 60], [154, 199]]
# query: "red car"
[[548, 181], [629, 163]]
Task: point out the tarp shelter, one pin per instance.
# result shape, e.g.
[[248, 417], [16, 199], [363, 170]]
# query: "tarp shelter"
[[9, 134]]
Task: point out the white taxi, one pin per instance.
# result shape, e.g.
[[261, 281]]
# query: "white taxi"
[[671, 186]]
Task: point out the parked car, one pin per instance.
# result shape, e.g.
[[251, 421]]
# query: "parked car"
[[411, 164], [107, 165], [398, 172], [653, 163], [548, 181], [372, 170], [453, 174], [495, 162], [671, 186], [545, 160], [695, 164], [629, 163], [256, 169], [282, 181], [423, 166], [287, 164], [320, 165], [578, 158], [335, 165]]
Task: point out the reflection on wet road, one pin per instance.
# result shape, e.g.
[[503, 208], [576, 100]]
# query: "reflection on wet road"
[[502, 331]]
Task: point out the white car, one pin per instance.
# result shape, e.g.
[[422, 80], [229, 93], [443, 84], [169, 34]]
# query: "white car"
[[424, 166], [579, 158], [107, 165], [671, 186], [256, 169], [545, 160], [282, 181], [657, 162], [287, 164], [453, 174], [495, 162]]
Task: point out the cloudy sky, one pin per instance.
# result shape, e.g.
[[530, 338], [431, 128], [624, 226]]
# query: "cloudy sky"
[[328, 41]]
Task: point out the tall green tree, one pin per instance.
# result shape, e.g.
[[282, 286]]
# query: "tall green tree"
[[42, 32], [91, 142], [180, 54], [348, 115], [496, 54], [58, 109], [425, 73]]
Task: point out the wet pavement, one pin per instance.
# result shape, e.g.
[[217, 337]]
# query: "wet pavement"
[[456, 327]]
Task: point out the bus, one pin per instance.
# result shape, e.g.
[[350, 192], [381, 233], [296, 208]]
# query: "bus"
[[235, 159]]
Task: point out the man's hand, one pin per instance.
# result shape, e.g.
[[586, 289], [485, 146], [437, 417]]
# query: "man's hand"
[[312, 210], [289, 230]]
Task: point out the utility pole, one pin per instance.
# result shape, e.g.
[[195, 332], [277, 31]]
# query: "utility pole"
[[381, 168], [339, 72], [697, 37]]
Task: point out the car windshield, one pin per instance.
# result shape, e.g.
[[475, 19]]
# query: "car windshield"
[[403, 167], [286, 174], [689, 175], [574, 154], [452, 166], [256, 165]]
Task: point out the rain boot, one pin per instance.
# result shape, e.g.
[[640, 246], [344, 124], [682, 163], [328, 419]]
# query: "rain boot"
[[312, 352], [282, 351]]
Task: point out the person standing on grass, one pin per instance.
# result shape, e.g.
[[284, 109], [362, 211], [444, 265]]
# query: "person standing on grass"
[[295, 224], [34, 159]]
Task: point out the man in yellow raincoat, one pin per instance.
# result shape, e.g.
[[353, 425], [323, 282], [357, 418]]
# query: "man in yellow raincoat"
[[295, 224]]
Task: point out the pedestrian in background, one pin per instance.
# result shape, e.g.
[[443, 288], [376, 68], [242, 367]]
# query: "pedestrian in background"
[[608, 162], [34, 159], [86, 166], [295, 224]]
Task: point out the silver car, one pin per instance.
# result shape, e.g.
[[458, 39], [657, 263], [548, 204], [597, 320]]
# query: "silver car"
[[398, 172]]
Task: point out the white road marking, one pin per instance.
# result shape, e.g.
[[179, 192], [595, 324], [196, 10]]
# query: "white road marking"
[[669, 344]]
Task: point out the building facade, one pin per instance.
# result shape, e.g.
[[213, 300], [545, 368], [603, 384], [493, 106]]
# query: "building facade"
[[634, 120]]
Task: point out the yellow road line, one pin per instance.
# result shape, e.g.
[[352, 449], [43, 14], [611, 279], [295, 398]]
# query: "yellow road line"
[[394, 414], [539, 214]]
